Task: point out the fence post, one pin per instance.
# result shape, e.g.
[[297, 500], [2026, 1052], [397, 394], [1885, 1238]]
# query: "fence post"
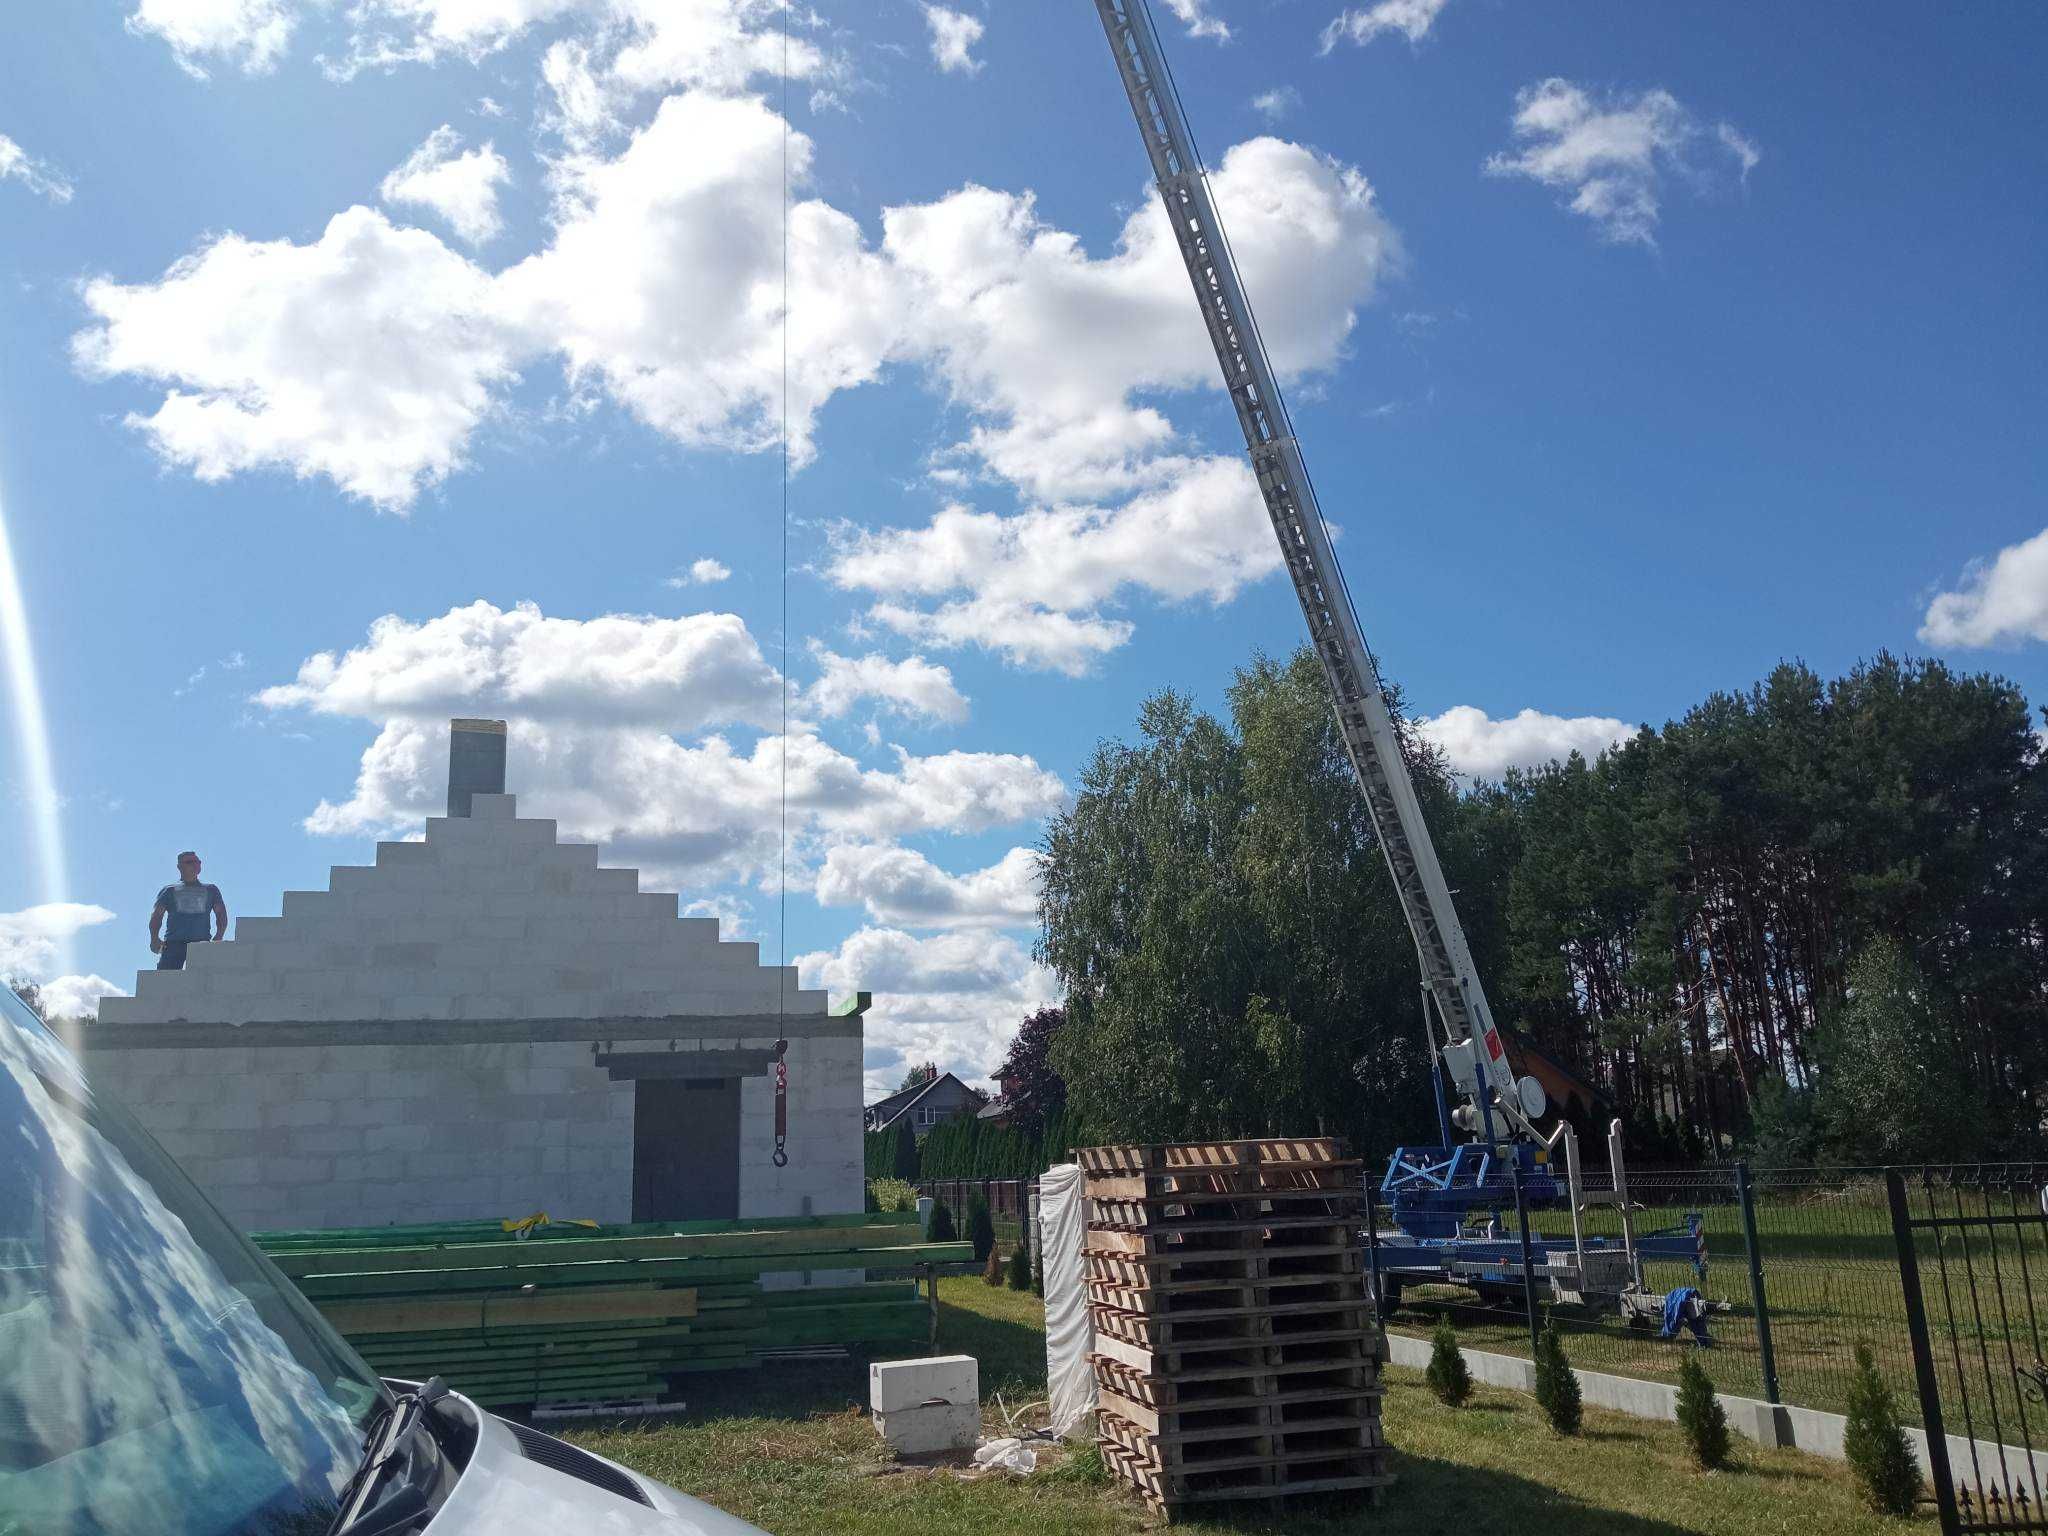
[[1528, 1256], [1923, 1351], [1757, 1299]]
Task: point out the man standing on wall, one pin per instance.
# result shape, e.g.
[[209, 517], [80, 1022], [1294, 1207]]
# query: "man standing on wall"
[[188, 903]]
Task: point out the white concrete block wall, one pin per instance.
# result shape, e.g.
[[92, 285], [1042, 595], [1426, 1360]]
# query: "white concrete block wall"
[[365, 1135], [490, 918]]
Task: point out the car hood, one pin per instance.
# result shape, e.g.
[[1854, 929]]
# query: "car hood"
[[505, 1492]]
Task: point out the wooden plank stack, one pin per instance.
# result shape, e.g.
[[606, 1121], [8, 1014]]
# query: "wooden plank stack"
[[1235, 1353], [565, 1313]]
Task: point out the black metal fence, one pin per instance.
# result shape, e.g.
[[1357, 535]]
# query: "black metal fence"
[[1797, 1267], [1007, 1198], [1973, 1256]]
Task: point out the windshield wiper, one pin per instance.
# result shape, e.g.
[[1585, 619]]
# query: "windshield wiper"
[[389, 1433]]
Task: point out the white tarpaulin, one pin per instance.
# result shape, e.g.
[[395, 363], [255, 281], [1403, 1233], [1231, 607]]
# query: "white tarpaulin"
[[1069, 1336]]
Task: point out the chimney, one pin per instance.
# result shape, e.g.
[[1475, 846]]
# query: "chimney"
[[476, 761]]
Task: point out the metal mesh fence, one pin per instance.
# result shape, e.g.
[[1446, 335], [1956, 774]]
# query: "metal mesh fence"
[[1825, 1269]]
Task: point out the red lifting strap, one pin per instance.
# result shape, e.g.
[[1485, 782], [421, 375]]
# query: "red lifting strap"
[[781, 1104]]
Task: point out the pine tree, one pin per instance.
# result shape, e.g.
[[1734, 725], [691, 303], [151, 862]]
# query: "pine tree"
[[1876, 1445], [1557, 1384], [1020, 1268], [1701, 1416], [981, 1228], [1448, 1376], [942, 1224]]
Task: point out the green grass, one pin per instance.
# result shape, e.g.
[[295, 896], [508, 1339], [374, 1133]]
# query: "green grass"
[[791, 1449]]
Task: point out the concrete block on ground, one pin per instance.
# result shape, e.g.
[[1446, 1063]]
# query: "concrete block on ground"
[[950, 1380], [927, 1431]]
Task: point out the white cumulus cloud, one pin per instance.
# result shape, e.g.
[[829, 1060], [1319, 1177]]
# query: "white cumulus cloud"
[[31, 938], [683, 674], [953, 36], [900, 886], [1196, 16], [1610, 156], [250, 34], [76, 997], [663, 284], [702, 573], [1484, 748], [613, 733], [2002, 602], [39, 176], [911, 686], [368, 356], [462, 188], [1361, 24], [952, 998]]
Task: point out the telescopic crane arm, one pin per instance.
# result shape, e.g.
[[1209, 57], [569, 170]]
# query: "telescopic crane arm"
[[1496, 1104]]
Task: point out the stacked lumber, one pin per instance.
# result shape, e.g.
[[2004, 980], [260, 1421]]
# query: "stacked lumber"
[[1235, 1351], [565, 1313]]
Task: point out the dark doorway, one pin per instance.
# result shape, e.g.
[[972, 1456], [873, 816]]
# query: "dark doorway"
[[686, 1148]]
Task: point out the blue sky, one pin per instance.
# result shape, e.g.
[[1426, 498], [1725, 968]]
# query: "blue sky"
[[1633, 348]]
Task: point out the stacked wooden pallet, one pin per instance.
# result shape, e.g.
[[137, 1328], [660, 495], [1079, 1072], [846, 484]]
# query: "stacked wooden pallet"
[[1235, 1353], [565, 1313]]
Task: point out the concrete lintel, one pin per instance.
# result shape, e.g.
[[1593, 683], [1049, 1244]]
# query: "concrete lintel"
[[631, 1066], [725, 1026]]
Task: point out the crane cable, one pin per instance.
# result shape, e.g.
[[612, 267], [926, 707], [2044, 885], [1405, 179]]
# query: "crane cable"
[[781, 1156]]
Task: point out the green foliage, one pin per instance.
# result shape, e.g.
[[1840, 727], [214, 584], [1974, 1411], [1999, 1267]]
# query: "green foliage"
[[1876, 1444], [1673, 921], [981, 1227], [1018, 1272], [1082, 1465], [891, 1195], [1557, 1384], [969, 1147], [1784, 1131], [942, 1223], [904, 1162], [1700, 1415], [1892, 1089], [1448, 1376]]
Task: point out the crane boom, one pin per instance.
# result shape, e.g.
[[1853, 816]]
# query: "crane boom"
[[1474, 1051]]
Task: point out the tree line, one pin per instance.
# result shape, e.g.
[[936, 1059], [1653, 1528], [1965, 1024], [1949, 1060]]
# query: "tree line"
[[1808, 919]]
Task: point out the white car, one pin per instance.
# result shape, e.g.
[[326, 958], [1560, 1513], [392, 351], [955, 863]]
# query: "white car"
[[159, 1377]]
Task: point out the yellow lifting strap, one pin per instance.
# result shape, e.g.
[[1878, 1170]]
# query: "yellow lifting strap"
[[526, 1225]]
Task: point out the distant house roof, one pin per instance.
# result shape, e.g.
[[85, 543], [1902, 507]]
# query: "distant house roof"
[[885, 1112]]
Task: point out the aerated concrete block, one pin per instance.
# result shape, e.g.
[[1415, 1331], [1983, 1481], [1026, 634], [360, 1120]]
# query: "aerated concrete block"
[[936, 1380], [924, 1431]]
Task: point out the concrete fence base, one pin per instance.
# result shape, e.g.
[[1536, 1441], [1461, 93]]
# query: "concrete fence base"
[[1771, 1424]]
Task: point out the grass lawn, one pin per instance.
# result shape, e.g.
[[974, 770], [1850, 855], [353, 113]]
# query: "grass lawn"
[[790, 1448]]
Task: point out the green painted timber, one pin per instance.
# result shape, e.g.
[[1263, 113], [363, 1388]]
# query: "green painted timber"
[[516, 1255], [685, 1271], [560, 1231], [568, 1313]]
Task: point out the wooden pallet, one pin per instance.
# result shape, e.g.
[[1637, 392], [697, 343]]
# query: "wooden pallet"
[[1276, 1152]]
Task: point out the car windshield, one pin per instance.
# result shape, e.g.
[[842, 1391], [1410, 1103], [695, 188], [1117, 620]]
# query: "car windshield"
[[157, 1374]]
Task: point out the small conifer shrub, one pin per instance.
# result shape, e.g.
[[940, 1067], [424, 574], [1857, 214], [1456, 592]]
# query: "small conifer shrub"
[[992, 1271], [942, 1224], [1876, 1445], [1557, 1384], [1020, 1268], [1448, 1376], [1701, 1415], [981, 1227]]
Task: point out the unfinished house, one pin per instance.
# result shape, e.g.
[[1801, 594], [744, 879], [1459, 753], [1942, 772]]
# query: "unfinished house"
[[488, 1023]]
